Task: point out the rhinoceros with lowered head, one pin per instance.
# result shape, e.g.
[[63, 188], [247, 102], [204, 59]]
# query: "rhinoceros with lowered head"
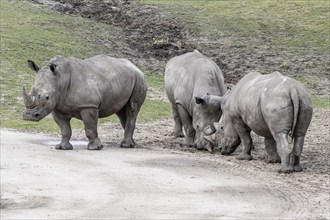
[[273, 106], [192, 81], [87, 90]]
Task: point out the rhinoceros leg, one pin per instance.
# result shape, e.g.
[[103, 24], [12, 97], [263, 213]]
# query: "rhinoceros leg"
[[297, 149], [128, 141], [177, 123], [90, 117], [284, 149], [64, 123], [245, 136], [122, 117], [272, 155], [131, 109], [187, 125]]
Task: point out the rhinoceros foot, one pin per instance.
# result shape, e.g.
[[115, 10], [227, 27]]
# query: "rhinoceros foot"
[[245, 156], [274, 159], [95, 145], [177, 134], [297, 168], [127, 143], [64, 146], [286, 170]]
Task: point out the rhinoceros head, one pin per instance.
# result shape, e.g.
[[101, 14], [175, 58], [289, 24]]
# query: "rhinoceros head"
[[42, 99], [225, 137], [206, 112]]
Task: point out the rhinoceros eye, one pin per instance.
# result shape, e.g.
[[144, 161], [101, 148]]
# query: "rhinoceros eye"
[[46, 96]]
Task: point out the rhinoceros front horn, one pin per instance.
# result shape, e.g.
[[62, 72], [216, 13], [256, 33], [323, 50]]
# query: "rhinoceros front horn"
[[210, 129], [27, 99], [210, 139]]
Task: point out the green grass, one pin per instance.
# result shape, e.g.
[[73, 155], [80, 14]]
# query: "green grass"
[[155, 81], [297, 26], [34, 32], [321, 102], [300, 27]]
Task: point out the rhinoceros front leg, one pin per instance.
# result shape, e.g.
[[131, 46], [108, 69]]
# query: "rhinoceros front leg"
[[187, 124], [90, 117], [177, 122], [64, 123], [272, 155]]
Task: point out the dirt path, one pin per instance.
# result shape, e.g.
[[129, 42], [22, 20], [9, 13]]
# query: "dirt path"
[[158, 179]]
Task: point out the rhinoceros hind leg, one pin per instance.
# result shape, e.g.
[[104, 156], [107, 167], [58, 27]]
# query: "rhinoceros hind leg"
[[122, 117], [126, 142], [64, 146], [284, 149], [297, 150], [245, 136], [272, 155]]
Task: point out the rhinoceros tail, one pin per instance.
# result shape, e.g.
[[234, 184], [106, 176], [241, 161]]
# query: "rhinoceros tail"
[[295, 102]]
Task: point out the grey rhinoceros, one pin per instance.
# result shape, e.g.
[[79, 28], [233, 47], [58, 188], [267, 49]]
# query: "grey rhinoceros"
[[275, 107], [192, 80], [86, 89]]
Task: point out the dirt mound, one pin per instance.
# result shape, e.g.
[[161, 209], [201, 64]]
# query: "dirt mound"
[[151, 35], [154, 37]]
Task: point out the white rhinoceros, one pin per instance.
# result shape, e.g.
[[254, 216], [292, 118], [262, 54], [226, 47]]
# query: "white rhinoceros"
[[86, 89], [275, 107], [192, 80]]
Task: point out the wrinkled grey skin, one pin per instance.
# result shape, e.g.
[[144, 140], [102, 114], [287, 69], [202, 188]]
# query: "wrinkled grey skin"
[[86, 89], [193, 84], [275, 107]]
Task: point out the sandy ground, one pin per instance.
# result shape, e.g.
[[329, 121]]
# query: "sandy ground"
[[159, 179]]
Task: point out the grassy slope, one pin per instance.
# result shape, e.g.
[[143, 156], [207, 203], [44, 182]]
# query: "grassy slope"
[[299, 27], [32, 32]]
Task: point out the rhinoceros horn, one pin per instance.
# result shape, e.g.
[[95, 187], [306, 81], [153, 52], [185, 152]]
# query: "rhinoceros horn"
[[210, 139], [27, 99], [209, 130]]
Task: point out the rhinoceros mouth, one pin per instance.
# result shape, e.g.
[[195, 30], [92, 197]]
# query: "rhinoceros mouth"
[[31, 115]]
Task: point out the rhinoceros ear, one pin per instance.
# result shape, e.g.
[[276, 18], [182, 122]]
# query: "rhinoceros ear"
[[33, 66], [52, 68]]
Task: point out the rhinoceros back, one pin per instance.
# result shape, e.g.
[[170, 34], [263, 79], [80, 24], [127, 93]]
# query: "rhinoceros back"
[[102, 82], [262, 100]]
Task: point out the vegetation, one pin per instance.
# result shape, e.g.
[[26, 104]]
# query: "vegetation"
[[297, 26], [300, 27], [31, 31]]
